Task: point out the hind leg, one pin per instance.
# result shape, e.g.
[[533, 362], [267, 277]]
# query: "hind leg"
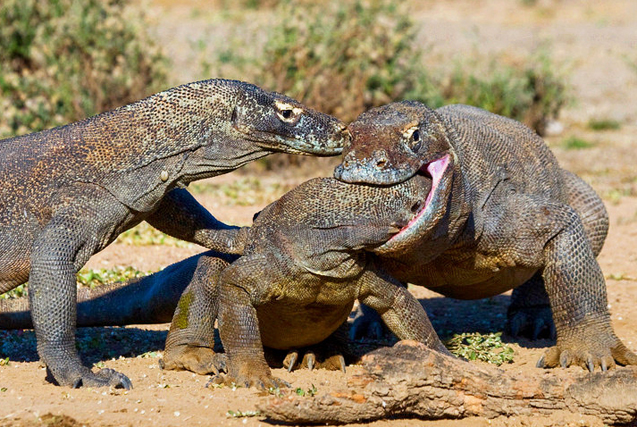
[[529, 313]]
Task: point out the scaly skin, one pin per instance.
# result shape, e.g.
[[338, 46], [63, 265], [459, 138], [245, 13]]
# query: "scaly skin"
[[305, 262], [502, 215], [68, 192], [304, 265]]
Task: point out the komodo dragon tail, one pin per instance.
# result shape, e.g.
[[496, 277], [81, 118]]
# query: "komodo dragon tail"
[[146, 300]]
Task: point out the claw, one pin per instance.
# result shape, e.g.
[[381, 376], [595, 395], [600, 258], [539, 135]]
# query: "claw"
[[341, 361], [290, 360], [541, 363], [590, 365], [309, 360], [603, 365]]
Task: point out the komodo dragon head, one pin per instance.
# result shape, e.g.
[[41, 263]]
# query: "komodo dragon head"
[[391, 144], [279, 123]]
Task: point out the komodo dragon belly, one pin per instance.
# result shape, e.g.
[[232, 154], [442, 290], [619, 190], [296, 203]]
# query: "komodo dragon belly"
[[285, 326], [463, 280]]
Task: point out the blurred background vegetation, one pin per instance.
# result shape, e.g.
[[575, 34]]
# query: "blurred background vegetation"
[[63, 60]]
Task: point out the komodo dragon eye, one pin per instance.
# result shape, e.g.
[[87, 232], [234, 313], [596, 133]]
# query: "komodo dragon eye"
[[414, 134], [287, 113]]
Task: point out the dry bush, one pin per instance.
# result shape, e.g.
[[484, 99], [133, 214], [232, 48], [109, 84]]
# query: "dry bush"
[[64, 60]]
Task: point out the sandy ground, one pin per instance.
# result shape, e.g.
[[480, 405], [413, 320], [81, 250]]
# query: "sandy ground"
[[595, 39]]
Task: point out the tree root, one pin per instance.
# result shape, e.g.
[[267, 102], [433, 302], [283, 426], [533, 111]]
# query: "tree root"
[[412, 380]]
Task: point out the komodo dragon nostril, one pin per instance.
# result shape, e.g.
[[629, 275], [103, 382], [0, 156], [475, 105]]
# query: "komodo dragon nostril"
[[381, 163]]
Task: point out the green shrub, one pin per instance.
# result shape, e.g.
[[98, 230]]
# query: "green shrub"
[[64, 60], [341, 58], [532, 92], [344, 58]]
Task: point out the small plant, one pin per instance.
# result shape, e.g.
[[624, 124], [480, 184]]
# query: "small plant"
[[16, 292], [576, 143], [103, 276], [89, 278], [246, 191], [604, 124], [309, 392], [532, 91], [145, 234], [485, 347]]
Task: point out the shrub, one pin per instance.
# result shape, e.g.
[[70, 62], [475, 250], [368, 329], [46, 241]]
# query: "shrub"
[[344, 58], [64, 60], [532, 92], [340, 58]]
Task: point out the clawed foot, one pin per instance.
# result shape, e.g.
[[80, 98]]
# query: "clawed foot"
[[200, 360], [590, 354], [335, 362], [86, 378], [532, 322]]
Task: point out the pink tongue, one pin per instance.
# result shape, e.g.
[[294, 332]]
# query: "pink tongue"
[[436, 169]]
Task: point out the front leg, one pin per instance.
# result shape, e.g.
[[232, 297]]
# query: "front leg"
[[239, 325], [62, 247], [190, 342], [577, 291], [181, 216], [399, 309]]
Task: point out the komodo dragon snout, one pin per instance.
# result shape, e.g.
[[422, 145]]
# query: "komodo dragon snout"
[[281, 123]]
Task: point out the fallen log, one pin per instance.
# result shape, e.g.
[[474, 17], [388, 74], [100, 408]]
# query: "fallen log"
[[411, 380]]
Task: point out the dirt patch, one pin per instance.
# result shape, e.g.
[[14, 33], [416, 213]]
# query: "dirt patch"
[[595, 38]]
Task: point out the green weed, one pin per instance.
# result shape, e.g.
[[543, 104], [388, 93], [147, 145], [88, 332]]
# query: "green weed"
[[604, 124], [576, 143], [145, 234], [89, 278], [246, 191], [346, 57], [485, 347]]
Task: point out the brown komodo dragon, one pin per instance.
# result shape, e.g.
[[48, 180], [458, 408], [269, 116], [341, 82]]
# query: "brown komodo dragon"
[[305, 261], [70, 191], [502, 215]]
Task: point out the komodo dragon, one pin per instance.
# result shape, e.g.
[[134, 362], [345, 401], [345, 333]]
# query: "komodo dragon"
[[304, 264], [502, 214], [70, 191]]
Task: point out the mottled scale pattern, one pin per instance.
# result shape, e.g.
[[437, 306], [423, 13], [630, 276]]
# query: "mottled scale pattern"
[[513, 219], [304, 264], [68, 192]]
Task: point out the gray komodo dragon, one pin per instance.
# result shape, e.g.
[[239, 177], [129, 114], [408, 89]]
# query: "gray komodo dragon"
[[305, 261], [502, 214], [304, 264], [70, 191]]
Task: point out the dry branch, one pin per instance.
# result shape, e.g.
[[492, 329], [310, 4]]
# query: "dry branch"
[[411, 380]]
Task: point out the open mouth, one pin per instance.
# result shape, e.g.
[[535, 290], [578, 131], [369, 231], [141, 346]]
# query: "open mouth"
[[433, 170]]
